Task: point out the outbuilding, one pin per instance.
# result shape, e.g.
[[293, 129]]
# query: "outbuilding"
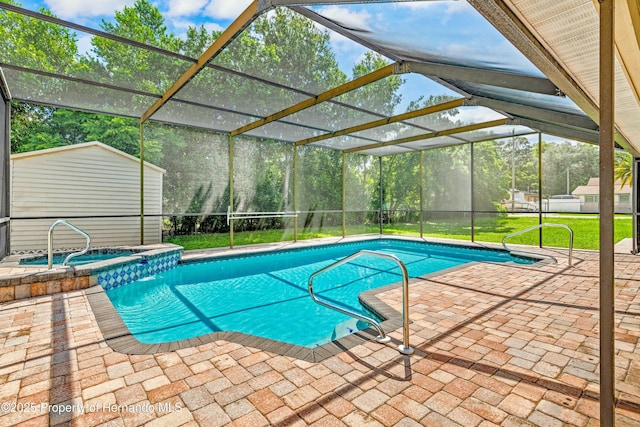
[[93, 186], [590, 196]]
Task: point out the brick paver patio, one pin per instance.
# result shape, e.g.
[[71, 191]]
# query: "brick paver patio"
[[509, 345]]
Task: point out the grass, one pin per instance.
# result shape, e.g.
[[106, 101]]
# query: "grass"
[[487, 229]]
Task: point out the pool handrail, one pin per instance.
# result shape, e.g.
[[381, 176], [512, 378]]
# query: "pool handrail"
[[71, 255], [546, 224], [404, 348]]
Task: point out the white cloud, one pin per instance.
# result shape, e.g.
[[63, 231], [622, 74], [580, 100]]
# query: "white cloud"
[[212, 26], [179, 27], [77, 9], [476, 115], [84, 44], [177, 8], [347, 51], [226, 9], [449, 7], [352, 19]]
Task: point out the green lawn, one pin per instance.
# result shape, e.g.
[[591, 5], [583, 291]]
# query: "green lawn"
[[494, 229], [487, 229]]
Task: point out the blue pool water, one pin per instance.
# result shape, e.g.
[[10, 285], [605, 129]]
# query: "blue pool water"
[[266, 294], [87, 258]]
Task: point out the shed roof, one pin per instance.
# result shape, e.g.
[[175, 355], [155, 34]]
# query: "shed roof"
[[549, 86], [84, 146]]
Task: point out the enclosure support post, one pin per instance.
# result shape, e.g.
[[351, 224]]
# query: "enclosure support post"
[[295, 192], [607, 127], [540, 185], [141, 183], [421, 193], [231, 207], [380, 194], [5, 157], [473, 206], [635, 208], [344, 193]]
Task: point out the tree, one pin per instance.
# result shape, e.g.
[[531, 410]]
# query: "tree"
[[381, 96], [623, 169], [362, 181], [43, 46], [578, 161], [520, 163], [447, 178], [131, 66], [490, 185], [401, 189], [32, 43], [31, 129]]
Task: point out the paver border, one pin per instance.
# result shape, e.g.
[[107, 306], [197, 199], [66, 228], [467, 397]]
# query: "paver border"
[[118, 336]]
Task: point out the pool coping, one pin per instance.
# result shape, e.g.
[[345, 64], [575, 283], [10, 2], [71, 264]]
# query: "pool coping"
[[118, 336]]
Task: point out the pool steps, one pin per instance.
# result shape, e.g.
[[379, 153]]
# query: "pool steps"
[[382, 337]]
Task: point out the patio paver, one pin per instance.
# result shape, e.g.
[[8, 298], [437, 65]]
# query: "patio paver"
[[495, 344]]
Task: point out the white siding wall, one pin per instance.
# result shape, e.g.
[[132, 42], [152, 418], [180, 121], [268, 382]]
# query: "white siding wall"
[[86, 181]]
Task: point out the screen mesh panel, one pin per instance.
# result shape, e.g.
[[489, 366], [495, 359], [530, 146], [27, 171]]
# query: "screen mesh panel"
[[362, 192], [384, 97], [330, 117], [439, 141], [283, 131], [389, 132], [342, 142], [196, 182], [235, 92], [396, 33], [490, 187], [458, 116], [390, 96], [319, 191], [266, 50], [263, 183], [569, 177], [50, 90], [496, 132], [401, 193], [53, 47], [178, 112], [447, 179], [386, 150]]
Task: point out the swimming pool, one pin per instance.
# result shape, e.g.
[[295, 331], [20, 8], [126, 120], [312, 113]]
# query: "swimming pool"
[[266, 294]]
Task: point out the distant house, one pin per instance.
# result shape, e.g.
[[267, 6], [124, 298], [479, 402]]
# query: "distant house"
[[93, 186], [590, 196]]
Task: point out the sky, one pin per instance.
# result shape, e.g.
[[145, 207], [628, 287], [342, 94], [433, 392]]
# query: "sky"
[[442, 29]]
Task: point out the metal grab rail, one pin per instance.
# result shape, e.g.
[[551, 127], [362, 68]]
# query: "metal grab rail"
[[404, 348], [259, 215], [50, 243], [570, 261]]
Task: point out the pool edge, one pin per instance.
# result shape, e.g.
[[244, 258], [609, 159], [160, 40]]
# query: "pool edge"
[[118, 337]]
